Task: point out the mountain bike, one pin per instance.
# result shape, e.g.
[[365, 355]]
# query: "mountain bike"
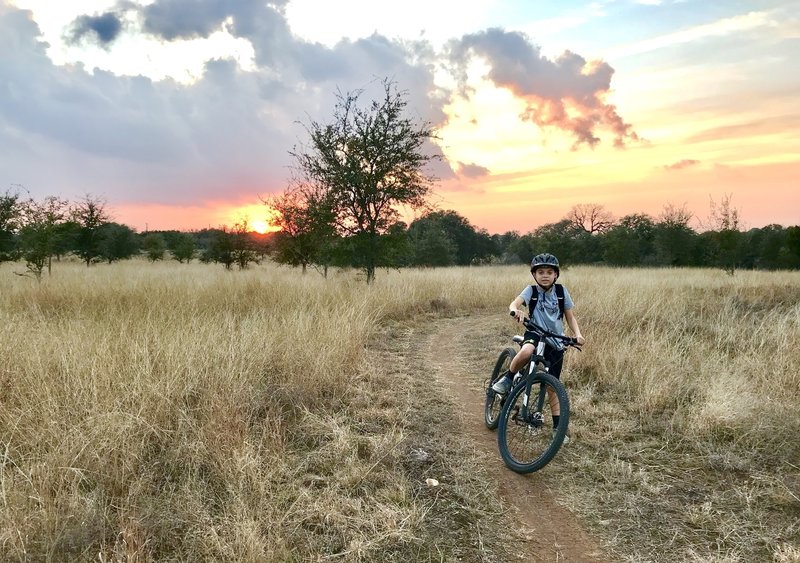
[[525, 436]]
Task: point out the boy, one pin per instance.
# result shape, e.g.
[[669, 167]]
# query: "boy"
[[545, 310]]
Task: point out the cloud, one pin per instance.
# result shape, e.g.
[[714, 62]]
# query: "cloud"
[[186, 19], [681, 164], [227, 135], [726, 26], [472, 170], [104, 28], [566, 93]]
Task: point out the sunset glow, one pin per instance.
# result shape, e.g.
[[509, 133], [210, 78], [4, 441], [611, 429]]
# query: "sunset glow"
[[187, 123], [259, 217]]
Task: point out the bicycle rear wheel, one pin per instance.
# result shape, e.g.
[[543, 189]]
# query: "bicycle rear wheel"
[[494, 402], [528, 443]]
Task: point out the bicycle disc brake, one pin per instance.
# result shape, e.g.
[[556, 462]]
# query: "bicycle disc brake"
[[536, 419]]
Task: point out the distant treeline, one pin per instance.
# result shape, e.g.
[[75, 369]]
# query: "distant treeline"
[[445, 238], [36, 232]]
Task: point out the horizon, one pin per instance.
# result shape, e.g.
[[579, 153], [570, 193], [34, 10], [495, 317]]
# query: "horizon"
[[184, 119], [264, 227]]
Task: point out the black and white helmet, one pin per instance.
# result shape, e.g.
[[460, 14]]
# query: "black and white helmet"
[[545, 259]]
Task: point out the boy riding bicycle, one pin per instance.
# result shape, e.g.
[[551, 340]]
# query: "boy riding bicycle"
[[547, 303]]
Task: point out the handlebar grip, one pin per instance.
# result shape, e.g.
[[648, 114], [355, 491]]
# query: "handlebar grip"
[[512, 313]]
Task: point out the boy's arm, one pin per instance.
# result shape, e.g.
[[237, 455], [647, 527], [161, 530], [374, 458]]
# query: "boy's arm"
[[514, 308], [573, 326]]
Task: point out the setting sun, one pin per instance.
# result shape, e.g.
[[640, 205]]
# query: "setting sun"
[[263, 227], [259, 217]]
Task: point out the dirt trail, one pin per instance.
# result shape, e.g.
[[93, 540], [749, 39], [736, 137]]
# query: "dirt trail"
[[554, 533]]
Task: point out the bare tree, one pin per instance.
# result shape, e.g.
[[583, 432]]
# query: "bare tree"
[[592, 218], [723, 216], [673, 216], [724, 221]]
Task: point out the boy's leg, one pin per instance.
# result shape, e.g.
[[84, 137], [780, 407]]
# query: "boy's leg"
[[522, 357], [556, 359], [503, 384]]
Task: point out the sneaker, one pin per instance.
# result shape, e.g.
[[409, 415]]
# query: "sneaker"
[[502, 385], [566, 438]]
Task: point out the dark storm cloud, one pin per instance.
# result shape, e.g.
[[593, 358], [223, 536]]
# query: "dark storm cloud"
[[104, 28], [567, 93]]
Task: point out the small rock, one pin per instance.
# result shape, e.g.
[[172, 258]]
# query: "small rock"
[[418, 454]]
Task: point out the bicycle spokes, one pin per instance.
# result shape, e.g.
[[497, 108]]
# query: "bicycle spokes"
[[494, 401], [527, 438]]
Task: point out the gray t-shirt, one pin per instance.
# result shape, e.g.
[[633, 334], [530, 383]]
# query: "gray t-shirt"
[[546, 313]]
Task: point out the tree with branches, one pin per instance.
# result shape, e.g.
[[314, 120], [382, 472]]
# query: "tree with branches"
[[592, 218], [40, 232], [367, 163], [307, 233], [90, 214], [10, 212], [727, 236]]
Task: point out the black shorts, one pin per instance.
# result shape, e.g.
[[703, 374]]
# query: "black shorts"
[[554, 357]]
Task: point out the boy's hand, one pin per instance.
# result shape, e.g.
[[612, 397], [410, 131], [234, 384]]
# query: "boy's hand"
[[517, 314], [581, 340]]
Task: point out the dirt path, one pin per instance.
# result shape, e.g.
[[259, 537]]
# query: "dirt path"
[[553, 533]]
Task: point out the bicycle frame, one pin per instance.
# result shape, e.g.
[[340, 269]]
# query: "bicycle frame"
[[523, 439], [537, 362]]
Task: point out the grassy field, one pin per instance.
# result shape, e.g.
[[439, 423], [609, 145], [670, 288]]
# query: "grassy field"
[[174, 412]]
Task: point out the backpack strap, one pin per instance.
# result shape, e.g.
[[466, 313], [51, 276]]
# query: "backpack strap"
[[535, 299], [560, 297]]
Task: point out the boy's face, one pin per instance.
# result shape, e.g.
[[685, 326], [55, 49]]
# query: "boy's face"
[[544, 276]]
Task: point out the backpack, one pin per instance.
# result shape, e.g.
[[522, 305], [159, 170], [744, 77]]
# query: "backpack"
[[535, 299]]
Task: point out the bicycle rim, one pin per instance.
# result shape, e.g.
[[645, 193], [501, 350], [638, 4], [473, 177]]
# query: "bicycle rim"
[[529, 443], [494, 402]]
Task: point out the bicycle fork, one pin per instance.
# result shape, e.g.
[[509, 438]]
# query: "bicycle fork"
[[538, 360]]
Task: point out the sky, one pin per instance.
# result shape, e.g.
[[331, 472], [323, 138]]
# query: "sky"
[[181, 114]]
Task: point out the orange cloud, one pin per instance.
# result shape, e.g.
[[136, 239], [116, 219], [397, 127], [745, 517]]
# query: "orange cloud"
[[567, 93], [681, 164]]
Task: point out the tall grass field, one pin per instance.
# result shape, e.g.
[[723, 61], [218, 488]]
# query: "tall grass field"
[[173, 412]]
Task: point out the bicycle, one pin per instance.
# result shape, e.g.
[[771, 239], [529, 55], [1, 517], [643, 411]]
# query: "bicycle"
[[525, 439]]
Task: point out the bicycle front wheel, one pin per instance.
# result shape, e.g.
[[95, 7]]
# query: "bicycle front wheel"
[[526, 437], [494, 401]]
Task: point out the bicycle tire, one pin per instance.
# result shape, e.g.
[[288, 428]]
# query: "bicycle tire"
[[528, 445], [494, 402]]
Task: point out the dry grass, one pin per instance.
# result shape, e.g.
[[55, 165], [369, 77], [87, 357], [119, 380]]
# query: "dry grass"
[[686, 413], [177, 412], [184, 412]]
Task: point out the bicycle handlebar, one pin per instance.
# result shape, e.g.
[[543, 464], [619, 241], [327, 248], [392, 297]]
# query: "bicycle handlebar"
[[533, 327]]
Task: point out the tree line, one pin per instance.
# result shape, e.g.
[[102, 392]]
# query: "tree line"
[[359, 168], [37, 232], [445, 238], [343, 208]]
